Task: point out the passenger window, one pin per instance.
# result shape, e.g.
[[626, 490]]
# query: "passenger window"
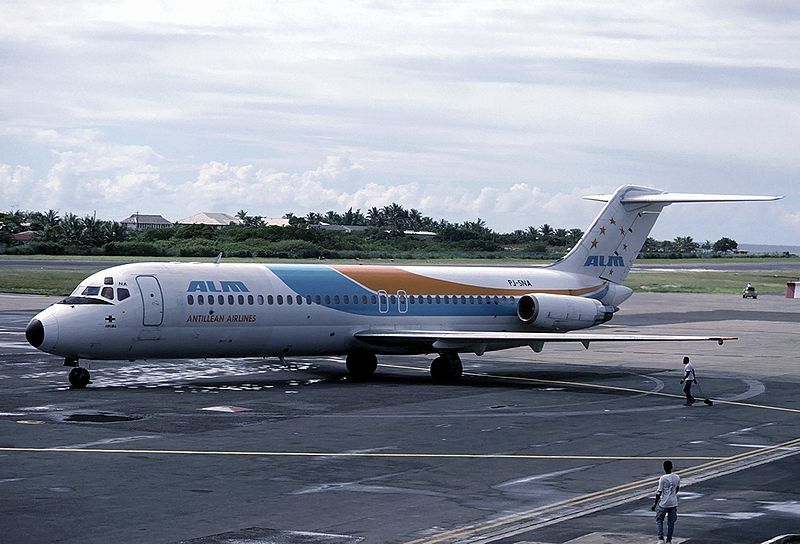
[[374, 299], [364, 299], [260, 300], [298, 299], [91, 291], [220, 299], [289, 299], [455, 299], [346, 299], [107, 292], [230, 299], [210, 299], [250, 299], [393, 299], [241, 300], [270, 300], [318, 299], [327, 299], [430, 299], [280, 300], [336, 299], [200, 300], [438, 299], [190, 299], [123, 293]]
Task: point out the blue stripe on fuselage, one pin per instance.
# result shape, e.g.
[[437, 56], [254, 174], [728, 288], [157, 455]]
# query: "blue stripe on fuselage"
[[324, 281]]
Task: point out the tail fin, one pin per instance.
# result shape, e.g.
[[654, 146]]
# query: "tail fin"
[[615, 238]]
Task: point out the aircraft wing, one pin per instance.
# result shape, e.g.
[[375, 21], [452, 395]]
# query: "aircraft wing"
[[479, 341]]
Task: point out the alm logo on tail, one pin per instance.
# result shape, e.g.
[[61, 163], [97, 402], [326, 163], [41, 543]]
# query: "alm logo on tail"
[[604, 261]]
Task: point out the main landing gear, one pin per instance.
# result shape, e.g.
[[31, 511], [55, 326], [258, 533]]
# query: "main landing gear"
[[361, 364], [79, 377], [446, 368]]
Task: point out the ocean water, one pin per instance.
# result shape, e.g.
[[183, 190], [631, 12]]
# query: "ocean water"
[[767, 248]]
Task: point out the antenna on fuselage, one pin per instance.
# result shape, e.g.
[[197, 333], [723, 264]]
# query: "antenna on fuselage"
[[218, 259]]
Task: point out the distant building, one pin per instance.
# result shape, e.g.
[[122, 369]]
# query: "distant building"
[[339, 228], [140, 221], [420, 234], [275, 222], [212, 219], [24, 236]]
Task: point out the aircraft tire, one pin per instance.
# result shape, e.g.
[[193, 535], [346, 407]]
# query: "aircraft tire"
[[361, 365], [79, 377], [446, 369]]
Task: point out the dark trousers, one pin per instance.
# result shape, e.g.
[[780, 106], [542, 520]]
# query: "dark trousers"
[[671, 514], [687, 389]]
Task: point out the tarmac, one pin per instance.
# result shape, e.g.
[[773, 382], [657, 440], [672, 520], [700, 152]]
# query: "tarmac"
[[563, 446]]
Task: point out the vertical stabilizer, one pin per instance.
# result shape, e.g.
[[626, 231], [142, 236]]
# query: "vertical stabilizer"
[[615, 238], [617, 235]]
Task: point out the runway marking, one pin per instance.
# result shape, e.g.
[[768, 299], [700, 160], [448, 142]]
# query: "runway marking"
[[525, 521], [410, 455], [604, 387]]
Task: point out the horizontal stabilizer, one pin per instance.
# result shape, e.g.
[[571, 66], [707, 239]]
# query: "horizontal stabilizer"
[[670, 198]]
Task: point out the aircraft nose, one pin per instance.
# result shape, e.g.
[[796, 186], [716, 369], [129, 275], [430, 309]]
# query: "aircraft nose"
[[42, 332], [35, 333]]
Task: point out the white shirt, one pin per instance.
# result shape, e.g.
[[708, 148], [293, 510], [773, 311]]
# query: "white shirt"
[[689, 367], [668, 487]]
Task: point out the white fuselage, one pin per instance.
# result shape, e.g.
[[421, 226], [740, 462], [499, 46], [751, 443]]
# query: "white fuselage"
[[177, 310]]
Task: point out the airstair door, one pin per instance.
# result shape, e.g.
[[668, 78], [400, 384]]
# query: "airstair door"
[[152, 300]]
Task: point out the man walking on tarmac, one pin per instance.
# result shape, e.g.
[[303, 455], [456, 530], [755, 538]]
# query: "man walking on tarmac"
[[688, 379], [666, 503]]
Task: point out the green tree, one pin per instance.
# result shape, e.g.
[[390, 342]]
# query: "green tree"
[[724, 245]]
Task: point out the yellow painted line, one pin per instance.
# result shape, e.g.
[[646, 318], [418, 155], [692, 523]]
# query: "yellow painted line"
[[419, 455], [606, 388], [640, 485]]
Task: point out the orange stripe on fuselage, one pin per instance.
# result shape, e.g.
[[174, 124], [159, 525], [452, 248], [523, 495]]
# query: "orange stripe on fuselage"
[[392, 279]]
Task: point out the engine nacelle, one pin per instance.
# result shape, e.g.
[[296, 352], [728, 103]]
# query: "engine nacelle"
[[562, 312]]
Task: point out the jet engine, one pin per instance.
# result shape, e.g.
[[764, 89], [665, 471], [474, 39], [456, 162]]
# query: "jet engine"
[[562, 312]]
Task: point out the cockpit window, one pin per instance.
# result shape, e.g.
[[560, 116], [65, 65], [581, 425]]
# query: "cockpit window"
[[91, 290], [107, 292], [83, 300], [123, 293]]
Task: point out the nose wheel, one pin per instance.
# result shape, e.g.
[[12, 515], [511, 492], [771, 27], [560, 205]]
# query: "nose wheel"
[[79, 377]]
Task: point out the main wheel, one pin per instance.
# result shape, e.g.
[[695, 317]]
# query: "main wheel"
[[446, 368], [361, 365], [79, 377]]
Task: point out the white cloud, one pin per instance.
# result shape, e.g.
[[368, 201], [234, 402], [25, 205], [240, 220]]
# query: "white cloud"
[[507, 112]]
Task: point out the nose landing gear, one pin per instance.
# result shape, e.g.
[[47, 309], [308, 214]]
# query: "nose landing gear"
[[79, 377]]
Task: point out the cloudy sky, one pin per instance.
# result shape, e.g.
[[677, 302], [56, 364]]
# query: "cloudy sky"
[[507, 112]]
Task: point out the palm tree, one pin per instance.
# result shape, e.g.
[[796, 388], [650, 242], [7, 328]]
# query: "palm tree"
[[72, 229], [375, 217]]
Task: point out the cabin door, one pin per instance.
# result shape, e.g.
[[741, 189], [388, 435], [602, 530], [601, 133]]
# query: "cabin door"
[[152, 300]]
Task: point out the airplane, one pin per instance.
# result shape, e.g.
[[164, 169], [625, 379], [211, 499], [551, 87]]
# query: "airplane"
[[184, 310]]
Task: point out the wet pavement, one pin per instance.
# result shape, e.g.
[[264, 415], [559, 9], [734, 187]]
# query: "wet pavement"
[[551, 447]]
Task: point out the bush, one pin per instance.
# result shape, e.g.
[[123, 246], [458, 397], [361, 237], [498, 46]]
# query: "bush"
[[132, 248]]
